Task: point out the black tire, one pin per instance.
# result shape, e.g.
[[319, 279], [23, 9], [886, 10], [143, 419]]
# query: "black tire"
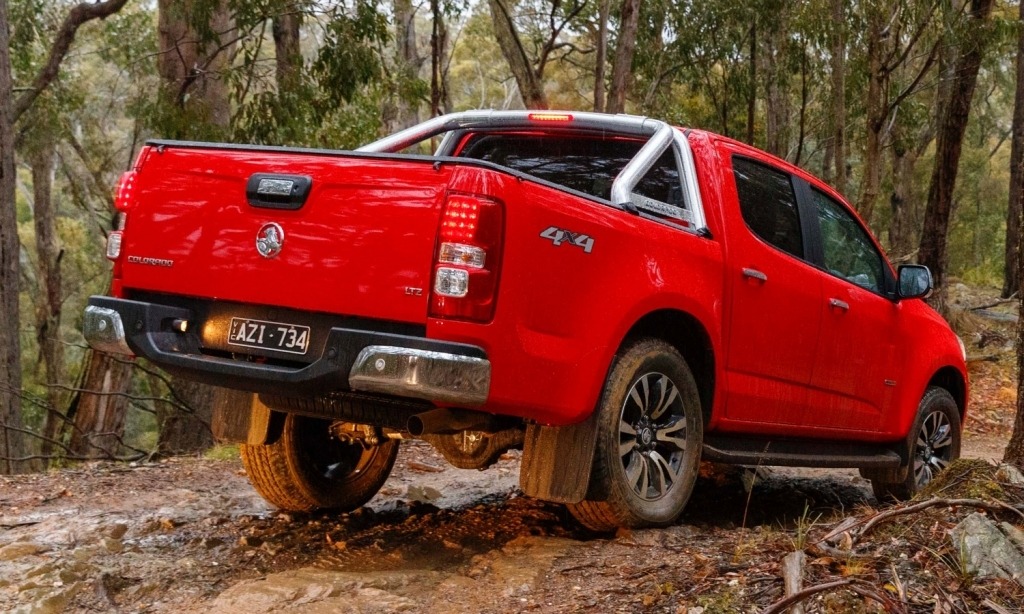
[[934, 443], [475, 449], [648, 441], [307, 468]]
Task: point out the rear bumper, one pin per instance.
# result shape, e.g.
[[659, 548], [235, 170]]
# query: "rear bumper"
[[349, 359]]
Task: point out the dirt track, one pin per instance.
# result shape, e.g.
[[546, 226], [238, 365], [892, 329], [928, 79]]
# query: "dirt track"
[[191, 535]]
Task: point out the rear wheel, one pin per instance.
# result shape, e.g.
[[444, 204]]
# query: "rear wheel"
[[935, 444], [310, 467], [649, 436]]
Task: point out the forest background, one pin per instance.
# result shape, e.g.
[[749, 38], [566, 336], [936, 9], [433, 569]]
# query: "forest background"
[[913, 109]]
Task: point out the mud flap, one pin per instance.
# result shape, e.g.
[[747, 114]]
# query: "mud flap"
[[240, 417], [557, 461]]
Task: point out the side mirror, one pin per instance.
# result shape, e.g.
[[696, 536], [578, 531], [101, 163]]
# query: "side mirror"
[[914, 281]]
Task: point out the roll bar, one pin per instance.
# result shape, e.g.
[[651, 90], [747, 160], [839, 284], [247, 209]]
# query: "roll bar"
[[660, 136]]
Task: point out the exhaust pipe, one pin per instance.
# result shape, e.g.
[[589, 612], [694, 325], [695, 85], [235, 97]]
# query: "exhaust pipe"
[[445, 420]]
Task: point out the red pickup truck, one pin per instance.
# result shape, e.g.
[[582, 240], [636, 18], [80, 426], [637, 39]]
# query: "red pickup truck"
[[619, 297]]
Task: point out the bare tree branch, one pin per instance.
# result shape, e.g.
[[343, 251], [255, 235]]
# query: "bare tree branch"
[[84, 12]]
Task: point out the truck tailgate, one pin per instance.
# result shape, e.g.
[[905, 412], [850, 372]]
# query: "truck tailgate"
[[361, 244]]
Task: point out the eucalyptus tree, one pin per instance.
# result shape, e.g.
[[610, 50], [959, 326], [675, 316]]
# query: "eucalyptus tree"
[[17, 97], [532, 34], [1015, 209], [956, 109], [902, 40]]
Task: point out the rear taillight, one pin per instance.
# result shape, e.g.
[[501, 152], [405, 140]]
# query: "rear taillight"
[[467, 259], [114, 244], [123, 199]]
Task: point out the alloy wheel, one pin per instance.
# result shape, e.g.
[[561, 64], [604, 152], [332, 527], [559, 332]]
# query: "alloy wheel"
[[652, 436]]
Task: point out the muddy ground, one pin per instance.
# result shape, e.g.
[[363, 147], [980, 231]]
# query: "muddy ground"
[[190, 535]]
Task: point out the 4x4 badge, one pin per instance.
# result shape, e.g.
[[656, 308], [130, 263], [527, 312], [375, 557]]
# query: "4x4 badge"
[[269, 240], [559, 236]]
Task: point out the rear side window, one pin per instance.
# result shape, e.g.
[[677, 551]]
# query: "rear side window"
[[768, 204]]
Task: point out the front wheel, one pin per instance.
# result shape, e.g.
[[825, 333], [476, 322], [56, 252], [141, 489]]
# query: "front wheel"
[[310, 467], [650, 430], [935, 444]]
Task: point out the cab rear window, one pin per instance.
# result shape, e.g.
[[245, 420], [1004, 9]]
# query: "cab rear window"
[[584, 164]]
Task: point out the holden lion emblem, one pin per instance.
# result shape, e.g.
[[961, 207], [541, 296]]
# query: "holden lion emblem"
[[269, 240]]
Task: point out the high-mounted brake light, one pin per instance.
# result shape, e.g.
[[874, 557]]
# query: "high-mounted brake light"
[[550, 117], [467, 259]]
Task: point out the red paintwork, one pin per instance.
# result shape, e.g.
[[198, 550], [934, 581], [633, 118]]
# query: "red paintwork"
[[785, 363]]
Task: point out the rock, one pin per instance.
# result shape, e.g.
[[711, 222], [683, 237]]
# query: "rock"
[[86, 553], [45, 568], [18, 550], [423, 494], [312, 591], [271, 549], [250, 541], [116, 531], [1008, 474], [1015, 534], [112, 545], [988, 552], [53, 602]]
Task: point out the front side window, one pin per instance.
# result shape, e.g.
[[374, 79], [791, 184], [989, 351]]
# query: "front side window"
[[848, 250], [768, 204]]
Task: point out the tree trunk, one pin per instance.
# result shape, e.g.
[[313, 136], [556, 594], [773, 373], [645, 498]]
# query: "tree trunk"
[[50, 297], [12, 444], [438, 45], [287, 49], [949, 142], [901, 240], [777, 104], [12, 440], [752, 78], [838, 144], [408, 60], [875, 107], [804, 100], [622, 68], [186, 431], [530, 88], [1014, 452], [601, 54], [99, 409], [1011, 280], [191, 68]]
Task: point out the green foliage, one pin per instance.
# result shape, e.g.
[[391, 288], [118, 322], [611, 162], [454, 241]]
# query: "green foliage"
[[326, 105], [223, 452]]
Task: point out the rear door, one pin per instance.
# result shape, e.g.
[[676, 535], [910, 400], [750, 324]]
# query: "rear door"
[[776, 298]]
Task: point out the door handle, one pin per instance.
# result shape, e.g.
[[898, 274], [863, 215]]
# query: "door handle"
[[838, 304], [755, 274]]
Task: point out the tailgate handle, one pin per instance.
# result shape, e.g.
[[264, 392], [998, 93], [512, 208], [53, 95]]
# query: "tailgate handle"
[[272, 191]]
